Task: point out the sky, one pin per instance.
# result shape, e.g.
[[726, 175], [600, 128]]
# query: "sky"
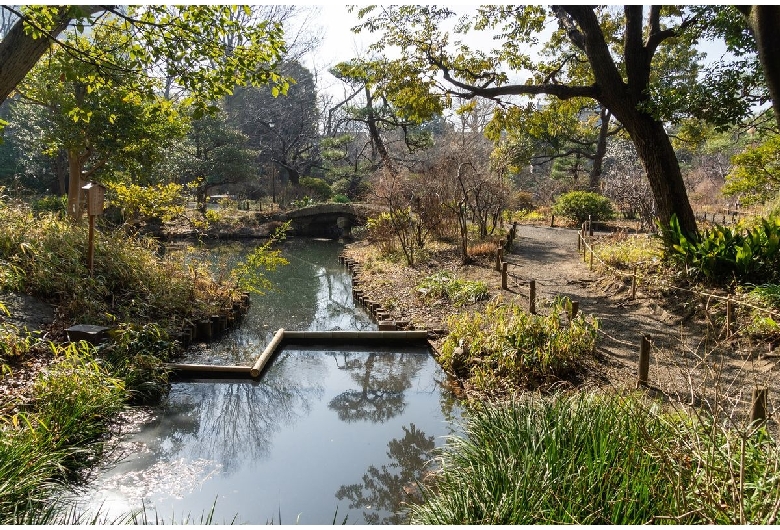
[[341, 44]]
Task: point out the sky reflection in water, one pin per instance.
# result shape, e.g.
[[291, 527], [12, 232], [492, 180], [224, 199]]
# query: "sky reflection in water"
[[324, 432]]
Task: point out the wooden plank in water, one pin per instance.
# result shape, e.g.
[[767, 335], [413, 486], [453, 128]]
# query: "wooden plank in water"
[[261, 361], [353, 337], [208, 370]]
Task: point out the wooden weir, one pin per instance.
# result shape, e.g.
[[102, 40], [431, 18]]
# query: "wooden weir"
[[283, 338]]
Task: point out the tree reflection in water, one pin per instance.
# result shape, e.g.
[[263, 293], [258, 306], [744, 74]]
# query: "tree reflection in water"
[[235, 422], [391, 486], [382, 378]]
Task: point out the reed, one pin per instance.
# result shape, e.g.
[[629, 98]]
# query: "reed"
[[600, 459]]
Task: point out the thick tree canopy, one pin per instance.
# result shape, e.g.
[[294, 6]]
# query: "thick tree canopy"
[[185, 44], [604, 53]]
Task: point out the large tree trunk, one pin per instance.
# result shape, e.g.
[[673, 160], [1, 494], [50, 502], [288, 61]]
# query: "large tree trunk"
[[625, 98], [764, 22], [663, 171], [20, 51]]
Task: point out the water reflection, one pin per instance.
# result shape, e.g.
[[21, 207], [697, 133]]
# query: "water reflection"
[[382, 379], [324, 431], [312, 293], [388, 488]]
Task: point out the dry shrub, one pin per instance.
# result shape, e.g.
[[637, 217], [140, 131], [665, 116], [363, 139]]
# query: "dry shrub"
[[483, 249]]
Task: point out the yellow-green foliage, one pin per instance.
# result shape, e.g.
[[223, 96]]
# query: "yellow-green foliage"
[[755, 175], [625, 251], [458, 291], [506, 347], [161, 201], [46, 256], [249, 273]]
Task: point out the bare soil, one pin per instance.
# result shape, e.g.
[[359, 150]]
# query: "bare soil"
[[691, 360]]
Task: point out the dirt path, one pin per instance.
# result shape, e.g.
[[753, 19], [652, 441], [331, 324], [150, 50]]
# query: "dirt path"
[[688, 362]]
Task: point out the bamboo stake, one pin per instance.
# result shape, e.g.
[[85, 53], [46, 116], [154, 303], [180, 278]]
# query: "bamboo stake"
[[575, 307], [503, 275], [592, 246], [729, 316], [261, 361], [644, 362], [633, 285], [532, 297]]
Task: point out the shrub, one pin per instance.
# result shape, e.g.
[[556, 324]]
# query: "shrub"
[[380, 230], [137, 354], [51, 203], [58, 433], [162, 201], [445, 285], [339, 198], [578, 205], [505, 347], [624, 251], [317, 187], [745, 253]]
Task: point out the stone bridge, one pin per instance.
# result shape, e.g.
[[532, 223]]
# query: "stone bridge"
[[331, 220]]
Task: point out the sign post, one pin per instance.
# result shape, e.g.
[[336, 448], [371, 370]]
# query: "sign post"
[[96, 194]]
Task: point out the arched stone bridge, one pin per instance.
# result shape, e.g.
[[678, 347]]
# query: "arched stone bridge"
[[331, 220]]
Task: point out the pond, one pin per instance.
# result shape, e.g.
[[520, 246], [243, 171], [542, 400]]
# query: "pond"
[[326, 434]]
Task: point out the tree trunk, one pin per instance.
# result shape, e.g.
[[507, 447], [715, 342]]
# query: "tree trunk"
[[601, 151], [624, 99], [20, 51], [663, 171], [60, 165], [74, 184], [764, 22]]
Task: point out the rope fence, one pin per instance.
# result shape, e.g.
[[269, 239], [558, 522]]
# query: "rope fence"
[[586, 245]]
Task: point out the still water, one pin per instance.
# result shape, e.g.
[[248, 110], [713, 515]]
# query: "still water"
[[326, 434]]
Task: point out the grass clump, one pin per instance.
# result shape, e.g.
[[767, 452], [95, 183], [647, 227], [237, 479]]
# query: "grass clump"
[[600, 459], [45, 255], [504, 347], [445, 285], [44, 443], [623, 251]]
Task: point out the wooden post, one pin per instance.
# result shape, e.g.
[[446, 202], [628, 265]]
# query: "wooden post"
[[532, 297], [592, 246], [633, 285], [590, 227], [575, 307], [579, 242], [729, 316], [499, 258], [552, 220], [758, 410], [91, 245], [504, 275], [644, 362]]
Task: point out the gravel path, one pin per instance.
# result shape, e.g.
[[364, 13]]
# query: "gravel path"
[[689, 363]]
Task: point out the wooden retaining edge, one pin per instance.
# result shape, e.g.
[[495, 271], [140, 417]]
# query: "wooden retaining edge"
[[346, 337], [268, 352], [298, 337], [208, 370]]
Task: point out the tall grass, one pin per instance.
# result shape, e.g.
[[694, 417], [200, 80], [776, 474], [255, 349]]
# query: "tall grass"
[[600, 459], [45, 443], [45, 255]]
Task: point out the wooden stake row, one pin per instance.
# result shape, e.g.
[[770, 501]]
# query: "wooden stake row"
[[758, 408]]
